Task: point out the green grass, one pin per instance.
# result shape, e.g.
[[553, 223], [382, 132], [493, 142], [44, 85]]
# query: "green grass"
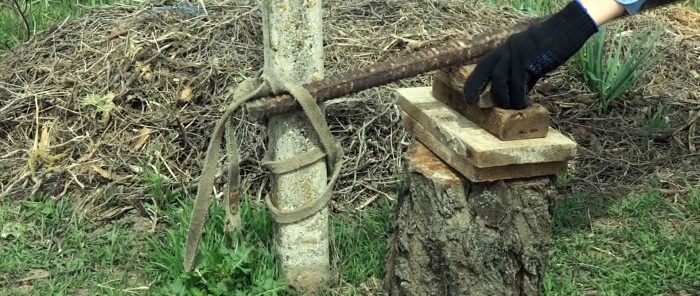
[[656, 120], [644, 244], [50, 237], [641, 245], [51, 240], [239, 264], [244, 263], [695, 4], [38, 14], [359, 243], [537, 7]]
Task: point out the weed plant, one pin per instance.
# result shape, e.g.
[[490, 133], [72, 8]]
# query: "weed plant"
[[610, 64]]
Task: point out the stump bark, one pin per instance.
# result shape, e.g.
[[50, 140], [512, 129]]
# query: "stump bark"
[[455, 237]]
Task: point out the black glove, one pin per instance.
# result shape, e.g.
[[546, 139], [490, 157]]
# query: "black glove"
[[515, 66]]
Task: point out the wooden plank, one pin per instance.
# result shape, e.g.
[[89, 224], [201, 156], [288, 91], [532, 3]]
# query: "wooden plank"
[[460, 164], [479, 147], [506, 124]]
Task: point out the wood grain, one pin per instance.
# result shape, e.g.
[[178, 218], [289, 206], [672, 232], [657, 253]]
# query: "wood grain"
[[476, 145], [506, 124], [449, 83], [460, 164]]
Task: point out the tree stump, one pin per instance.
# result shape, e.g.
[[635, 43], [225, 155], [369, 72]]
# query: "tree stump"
[[456, 237]]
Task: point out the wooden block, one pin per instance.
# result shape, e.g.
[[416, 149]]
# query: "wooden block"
[[475, 174], [477, 146], [448, 83], [530, 123]]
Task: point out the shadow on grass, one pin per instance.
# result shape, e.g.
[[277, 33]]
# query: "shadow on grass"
[[576, 213], [641, 244]]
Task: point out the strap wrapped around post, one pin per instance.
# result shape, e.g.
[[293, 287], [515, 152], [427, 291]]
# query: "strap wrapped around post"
[[333, 153], [267, 84]]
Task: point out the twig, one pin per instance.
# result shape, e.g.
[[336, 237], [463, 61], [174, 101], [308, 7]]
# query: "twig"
[[41, 276], [23, 16]]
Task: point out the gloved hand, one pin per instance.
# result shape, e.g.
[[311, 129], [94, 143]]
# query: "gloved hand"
[[515, 66]]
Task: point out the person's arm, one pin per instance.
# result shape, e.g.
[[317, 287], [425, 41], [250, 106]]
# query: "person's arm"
[[514, 68], [603, 11], [635, 6]]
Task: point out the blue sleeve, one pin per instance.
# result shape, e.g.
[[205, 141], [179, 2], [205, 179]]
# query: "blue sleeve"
[[632, 6]]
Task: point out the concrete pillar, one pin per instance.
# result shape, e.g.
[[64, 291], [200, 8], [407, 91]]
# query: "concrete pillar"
[[293, 43]]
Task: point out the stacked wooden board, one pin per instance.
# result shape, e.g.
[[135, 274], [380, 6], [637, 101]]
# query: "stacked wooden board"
[[506, 124], [485, 154]]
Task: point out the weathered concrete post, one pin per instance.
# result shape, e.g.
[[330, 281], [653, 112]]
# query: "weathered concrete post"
[[293, 43]]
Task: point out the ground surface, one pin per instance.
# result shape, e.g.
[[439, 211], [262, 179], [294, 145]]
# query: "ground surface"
[[104, 121]]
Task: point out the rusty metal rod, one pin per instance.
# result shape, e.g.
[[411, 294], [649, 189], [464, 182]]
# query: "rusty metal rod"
[[454, 52]]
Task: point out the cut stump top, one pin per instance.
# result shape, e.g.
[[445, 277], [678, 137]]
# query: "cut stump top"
[[425, 162]]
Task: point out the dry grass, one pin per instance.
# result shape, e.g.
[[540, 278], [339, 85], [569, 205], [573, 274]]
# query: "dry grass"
[[650, 136], [90, 105], [171, 72]]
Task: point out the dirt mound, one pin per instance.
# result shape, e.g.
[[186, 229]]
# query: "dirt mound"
[[92, 107], [649, 137]]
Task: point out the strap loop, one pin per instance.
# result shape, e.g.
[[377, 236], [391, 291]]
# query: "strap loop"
[[302, 160], [333, 154], [266, 84]]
